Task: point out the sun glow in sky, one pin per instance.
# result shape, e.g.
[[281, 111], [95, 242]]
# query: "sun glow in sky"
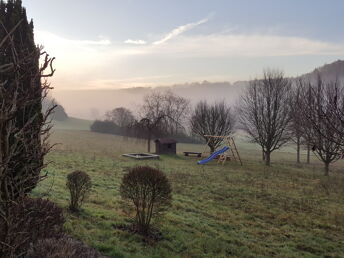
[[118, 44]]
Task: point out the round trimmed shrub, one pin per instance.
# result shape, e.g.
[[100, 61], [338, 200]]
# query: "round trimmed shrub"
[[149, 191], [79, 184]]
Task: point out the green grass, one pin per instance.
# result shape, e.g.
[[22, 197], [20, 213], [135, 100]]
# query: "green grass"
[[218, 211], [72, 123]]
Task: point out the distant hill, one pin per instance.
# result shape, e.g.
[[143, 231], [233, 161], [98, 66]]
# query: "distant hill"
[[328, 72], [58, 113], [92, 104]]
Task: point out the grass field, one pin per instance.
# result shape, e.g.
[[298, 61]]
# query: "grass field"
[[218, 211], [72, 123]]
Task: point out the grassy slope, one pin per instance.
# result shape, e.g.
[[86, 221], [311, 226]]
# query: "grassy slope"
[[72, 123], [222, 211]]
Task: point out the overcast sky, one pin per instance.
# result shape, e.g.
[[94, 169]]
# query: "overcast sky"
[[116, 44]]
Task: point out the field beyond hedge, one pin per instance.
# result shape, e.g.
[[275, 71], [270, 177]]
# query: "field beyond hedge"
[[218, 211]]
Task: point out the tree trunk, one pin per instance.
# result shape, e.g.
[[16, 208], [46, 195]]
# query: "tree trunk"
[[5, 215], [149, 143], [212, 149], [263, 155], [327, 169], [298, 150], [267, 158], [308, 153]]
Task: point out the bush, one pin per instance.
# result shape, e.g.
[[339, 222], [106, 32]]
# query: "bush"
[[79, 184], [61, 248], [29, 221], [149, 190]]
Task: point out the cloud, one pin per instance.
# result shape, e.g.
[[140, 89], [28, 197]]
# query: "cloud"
[[246, 45], [96, 63], [135, 42], [179, 30], [126, 82], [51, 38], [172, 34]]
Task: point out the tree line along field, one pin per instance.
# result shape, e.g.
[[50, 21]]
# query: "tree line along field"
[[218, 211]]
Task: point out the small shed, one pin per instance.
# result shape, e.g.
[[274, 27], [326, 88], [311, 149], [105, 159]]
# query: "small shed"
[[165, 146]]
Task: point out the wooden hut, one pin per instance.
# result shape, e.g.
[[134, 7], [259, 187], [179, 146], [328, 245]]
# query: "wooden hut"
[[165, 146]]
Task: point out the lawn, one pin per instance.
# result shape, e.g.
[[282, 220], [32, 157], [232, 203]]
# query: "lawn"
[[218, 211], [72, 123]]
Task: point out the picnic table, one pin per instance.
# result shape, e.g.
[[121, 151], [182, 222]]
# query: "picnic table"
[[187, 153]]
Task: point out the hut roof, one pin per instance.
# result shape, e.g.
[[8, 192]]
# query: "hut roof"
[[165, 141]]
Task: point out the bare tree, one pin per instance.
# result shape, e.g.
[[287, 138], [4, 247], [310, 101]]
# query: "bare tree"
[[176, 109], [301, 107], [153, 117], [121, 116], [322, 104], [299, 135], [215, 119], [336, 105], [162, 113], [264, 111], [296, 123], [148, 128]]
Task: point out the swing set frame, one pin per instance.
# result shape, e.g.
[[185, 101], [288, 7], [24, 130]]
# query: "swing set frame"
[[231, 154]]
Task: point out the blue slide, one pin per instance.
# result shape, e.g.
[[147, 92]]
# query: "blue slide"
[[213, 155]]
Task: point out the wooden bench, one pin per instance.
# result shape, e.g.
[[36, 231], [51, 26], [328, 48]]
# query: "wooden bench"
[[187, 153]]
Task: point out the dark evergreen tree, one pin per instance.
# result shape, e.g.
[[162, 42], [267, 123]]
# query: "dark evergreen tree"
[[21, 119], [23, 128]]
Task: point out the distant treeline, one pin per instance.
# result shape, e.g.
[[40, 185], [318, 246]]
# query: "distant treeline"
[[109, 127], [106, 127]]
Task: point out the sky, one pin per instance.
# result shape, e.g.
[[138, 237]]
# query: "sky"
[[110, 44]]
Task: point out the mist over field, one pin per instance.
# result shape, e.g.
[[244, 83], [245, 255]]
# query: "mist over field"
[[92, 104]]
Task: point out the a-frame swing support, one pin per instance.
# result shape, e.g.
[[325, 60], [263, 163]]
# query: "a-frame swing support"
[[232, 148]]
